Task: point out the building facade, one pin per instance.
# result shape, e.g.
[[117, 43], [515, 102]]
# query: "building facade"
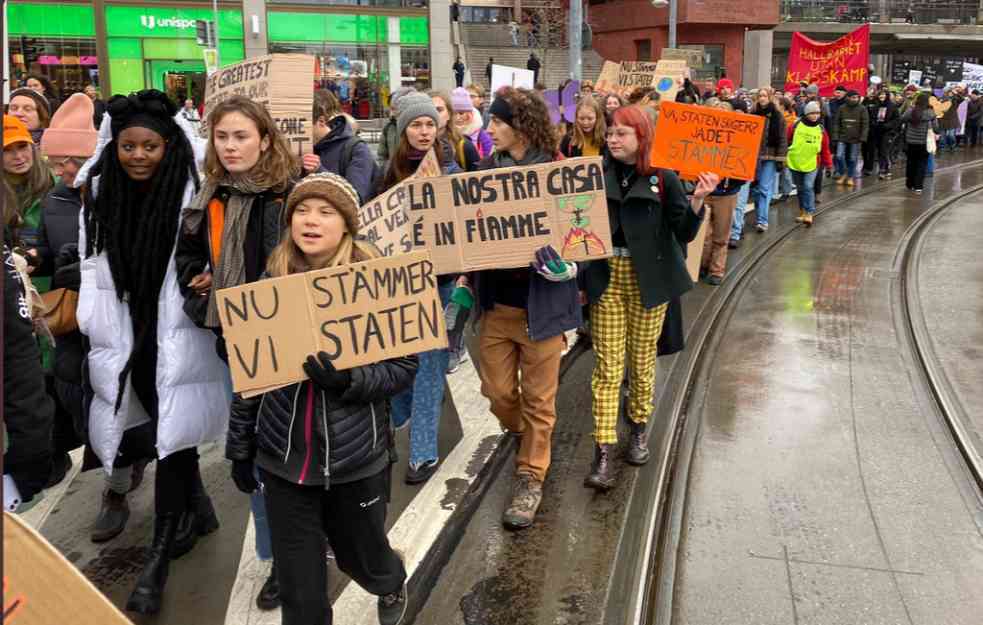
[[362, 51], [634, 30]]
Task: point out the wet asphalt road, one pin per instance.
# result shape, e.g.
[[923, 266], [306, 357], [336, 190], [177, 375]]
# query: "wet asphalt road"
[[824, 487], [559, 571]]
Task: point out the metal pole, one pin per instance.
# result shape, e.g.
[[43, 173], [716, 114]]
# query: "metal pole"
[[6, 57], [673, 17], [576, 25], [218, 55]]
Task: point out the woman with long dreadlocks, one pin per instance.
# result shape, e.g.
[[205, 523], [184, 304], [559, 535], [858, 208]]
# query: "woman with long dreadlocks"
[[159, 389], [228, 234]]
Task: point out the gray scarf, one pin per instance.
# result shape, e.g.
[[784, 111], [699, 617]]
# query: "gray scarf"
[[231, 268]]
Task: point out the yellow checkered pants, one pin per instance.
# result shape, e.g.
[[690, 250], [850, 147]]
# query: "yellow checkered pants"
[[618, 320]]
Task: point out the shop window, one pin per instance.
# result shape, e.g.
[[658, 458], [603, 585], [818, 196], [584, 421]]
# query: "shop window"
[[643, 49], [713, 61], [357, 75], [69, 63]]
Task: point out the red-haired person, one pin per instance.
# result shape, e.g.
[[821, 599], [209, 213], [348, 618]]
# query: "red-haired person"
[[651, 220]]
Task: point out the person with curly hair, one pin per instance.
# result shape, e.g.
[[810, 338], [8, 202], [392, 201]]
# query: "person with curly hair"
[[158, 389], [525, 313]]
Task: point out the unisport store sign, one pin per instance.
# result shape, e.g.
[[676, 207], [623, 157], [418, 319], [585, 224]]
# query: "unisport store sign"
[[168, 22]]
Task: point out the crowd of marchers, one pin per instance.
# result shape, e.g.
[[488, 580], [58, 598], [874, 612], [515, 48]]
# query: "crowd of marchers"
[[122, 220]]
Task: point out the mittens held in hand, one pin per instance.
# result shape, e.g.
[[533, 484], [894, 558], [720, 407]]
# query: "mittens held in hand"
[[549, 265]]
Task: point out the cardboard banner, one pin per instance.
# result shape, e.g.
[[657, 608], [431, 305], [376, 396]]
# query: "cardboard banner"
[[359, 314], [384, 221], [828, 64], [505, 76], [694, 139], [692, 56], [283, 83], [41, 587], [497, 219], [665, 76]]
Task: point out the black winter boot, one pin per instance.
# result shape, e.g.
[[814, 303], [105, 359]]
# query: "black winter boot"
[[638, 444], [601, 474], [198, 520], [149, 590]]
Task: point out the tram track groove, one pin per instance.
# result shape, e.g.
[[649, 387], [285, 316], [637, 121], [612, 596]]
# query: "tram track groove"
[[652, 564]]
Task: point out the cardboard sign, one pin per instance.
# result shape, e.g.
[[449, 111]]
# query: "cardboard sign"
[[41, 587], [607, 81], [281, 82], [829, 64], [505, 76], [694, 139], [497, 219], [692, 56], [359, 314], [666, 77], [385, 220]]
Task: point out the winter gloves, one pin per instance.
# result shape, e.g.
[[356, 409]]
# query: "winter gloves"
[[242, 475], [549, 265], [456, 316], [322, 373]]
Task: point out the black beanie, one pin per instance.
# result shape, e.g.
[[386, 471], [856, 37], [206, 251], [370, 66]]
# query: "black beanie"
[[501, 109], [147, 109]]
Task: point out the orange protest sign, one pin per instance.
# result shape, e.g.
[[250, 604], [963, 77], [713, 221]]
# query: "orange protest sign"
[[694, 139]]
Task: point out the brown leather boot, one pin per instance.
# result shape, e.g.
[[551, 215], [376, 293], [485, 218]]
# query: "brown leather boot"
[[527, 493], [601, 472], [638, 444]]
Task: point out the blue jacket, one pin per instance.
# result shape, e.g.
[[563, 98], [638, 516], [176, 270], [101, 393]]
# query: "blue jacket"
[[359, 171]]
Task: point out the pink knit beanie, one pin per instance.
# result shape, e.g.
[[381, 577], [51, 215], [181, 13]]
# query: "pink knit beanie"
[[71, 132], [461, 100]]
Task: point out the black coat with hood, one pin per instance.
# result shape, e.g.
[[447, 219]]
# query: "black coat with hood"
[[313, 436], [28, 412], [655, 232]]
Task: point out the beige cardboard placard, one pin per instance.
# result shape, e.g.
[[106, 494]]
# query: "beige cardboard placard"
[[283, 83], [41, 587], [692, 56], [694, 250], [359, 314], [385, 220], [498, 218], [608, 79]]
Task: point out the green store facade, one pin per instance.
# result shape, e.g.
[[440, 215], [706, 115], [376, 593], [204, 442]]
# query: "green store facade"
[[359, 49]]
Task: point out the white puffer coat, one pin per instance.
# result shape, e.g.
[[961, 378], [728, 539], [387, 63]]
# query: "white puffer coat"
[[193, 387]]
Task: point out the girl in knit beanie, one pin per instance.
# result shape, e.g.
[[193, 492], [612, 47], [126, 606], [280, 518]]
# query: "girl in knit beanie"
[[342, 462], [468, 122]]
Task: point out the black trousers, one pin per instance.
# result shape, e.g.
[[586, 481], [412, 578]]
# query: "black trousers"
[[869, 153], [916, 166], [818, 185], [973, 132], [353, 518], [176, 478]]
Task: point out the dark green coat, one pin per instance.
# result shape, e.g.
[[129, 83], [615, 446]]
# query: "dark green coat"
[[655, 235]]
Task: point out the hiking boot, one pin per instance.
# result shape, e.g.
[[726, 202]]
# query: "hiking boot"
[[113, 515], [841, 180], [801, 217], [149, 590], [269, 595], [713, 280], [601, 475], [638, 444], [849, 182], [422, 473], [807, 220], [392, 607], [527, 492]]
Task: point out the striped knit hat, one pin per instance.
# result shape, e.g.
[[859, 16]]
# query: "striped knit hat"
[[332, 188]]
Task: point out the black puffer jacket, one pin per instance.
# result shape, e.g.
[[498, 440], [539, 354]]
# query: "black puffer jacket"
[[28, 411], [291, 431]]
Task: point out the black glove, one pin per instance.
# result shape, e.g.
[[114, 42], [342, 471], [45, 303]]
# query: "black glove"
[[242, 475], [322, 372]]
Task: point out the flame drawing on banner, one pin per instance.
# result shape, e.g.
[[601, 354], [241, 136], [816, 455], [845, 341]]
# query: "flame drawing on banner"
[[580, 236]]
